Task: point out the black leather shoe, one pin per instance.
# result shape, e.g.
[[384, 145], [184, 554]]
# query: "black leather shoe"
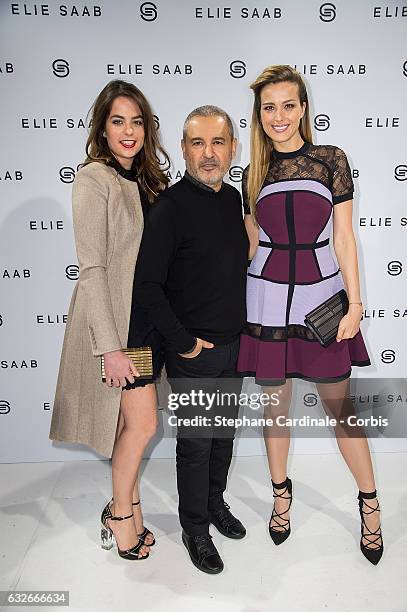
[[203, 553], [226, 523]]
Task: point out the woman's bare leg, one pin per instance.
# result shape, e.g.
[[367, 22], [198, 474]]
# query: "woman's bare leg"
[[138, 410], [351, 440], [120, 425], [277, 441], [138, 514]]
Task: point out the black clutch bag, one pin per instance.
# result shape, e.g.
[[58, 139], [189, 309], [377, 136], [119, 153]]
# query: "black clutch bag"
[[324, 320]]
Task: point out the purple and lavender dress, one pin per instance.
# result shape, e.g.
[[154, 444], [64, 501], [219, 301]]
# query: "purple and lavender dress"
[[293, 270]]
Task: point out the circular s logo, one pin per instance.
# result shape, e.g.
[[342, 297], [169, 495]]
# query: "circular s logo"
[[4, 407], [388, 356], [394, 268], [60, 68], [235, 174], [400, 172], [67, 174], [322, 122], [72, 272], [327, 12], [156, 122], [310, 399], [237, 69], [405, 68], [148, 11], [1, 320]]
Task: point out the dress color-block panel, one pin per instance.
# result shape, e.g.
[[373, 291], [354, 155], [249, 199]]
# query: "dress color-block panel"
[[293, 270]]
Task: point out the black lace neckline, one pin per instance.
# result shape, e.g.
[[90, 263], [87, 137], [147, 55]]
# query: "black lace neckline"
[[289, 154], [130, 175]]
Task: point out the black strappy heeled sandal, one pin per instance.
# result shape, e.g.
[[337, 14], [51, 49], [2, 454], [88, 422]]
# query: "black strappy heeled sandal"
[[142, 536], [373, 548], [280, 535], [107, 535]]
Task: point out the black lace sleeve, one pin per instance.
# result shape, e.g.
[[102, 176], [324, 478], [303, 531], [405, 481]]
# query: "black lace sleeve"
[[246, 206], [342, 184]]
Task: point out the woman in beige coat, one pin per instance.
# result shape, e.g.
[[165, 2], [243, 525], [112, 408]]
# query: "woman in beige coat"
[[112, 193]]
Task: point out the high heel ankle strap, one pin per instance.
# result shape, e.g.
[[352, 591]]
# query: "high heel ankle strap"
[[283, 490], [371, 495], [132, 503], [281, 485], [107, 514], [120, 518]]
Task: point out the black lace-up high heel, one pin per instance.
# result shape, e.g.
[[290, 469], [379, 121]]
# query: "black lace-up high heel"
[[285, 492], [371, 542]]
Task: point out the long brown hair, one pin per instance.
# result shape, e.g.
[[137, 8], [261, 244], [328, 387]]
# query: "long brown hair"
[[150, 168], [261, 145]]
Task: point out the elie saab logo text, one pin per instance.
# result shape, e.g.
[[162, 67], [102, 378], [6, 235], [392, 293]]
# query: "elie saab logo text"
[[12, 273], [52, 123], [386, 12], [28, 9], [6, 68], [11, 175], [244, 12], [332, 69], [51, 319], [382, 313], [46, 225], [379, 222], [154, 69], [19, 364]]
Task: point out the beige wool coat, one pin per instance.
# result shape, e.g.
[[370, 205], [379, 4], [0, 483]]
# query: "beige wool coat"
[[108, 225]]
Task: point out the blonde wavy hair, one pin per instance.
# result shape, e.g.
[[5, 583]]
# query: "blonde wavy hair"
[[261, 145]]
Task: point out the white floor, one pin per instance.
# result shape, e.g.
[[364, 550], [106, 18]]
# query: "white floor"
[[49, 539]]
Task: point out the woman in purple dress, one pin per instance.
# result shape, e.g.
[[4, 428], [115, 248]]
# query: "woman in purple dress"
[[294, 193]]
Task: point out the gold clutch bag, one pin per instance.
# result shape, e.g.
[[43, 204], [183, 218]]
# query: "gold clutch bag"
[[142, 357]]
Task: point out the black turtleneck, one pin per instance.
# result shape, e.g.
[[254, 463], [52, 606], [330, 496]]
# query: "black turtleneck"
[[192, 264], [132, 175]]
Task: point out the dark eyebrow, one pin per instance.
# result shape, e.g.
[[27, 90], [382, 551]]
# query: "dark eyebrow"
[[285, 102], [214, 138], [120, 117]]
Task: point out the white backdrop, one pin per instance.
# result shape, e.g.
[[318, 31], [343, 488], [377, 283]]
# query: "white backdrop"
[[54, 60]]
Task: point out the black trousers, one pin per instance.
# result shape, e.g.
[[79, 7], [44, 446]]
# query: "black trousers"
[[204, 453]]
